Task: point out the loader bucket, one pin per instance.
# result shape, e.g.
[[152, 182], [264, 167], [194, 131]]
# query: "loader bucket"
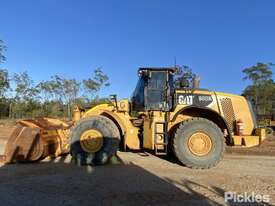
[[33, 140]]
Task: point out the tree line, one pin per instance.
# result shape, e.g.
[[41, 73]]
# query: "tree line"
[[20, 97], [55, 97], [261, 90]]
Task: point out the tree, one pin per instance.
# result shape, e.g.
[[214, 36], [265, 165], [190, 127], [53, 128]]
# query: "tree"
[[259, 73], [2, 50], [45, 88], [4, 76], [54, 97], [62, 90], [26, 102], [4, 82], [97, 82], [262, 89], [183, 77], [67, 91], [52, 89], [25, 90], [52, 104], [71, 89]]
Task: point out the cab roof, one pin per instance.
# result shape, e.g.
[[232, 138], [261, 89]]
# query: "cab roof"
[[159, 69]]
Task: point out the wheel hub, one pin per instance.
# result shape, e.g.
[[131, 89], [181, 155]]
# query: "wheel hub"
[[200, 144], [91, 141]]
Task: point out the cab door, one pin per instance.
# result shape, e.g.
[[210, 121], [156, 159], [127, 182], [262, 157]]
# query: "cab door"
[[156, 91]]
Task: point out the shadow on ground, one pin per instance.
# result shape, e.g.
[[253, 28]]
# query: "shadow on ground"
[[58, 182]]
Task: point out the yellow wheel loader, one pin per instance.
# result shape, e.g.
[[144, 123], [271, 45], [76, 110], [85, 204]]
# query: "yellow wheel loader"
[[194, 123]]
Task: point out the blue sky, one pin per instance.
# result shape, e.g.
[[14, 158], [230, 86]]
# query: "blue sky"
[[217, 39]]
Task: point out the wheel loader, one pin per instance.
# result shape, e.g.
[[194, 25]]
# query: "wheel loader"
[[191, 123]]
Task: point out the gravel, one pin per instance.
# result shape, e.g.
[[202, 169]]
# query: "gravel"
[[140, 179]]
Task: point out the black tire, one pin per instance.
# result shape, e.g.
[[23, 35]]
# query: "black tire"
[[111, 138], [184, 154], [269, 131]]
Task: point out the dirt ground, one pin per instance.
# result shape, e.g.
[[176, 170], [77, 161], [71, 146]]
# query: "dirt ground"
[[266, 148], [140, 179]]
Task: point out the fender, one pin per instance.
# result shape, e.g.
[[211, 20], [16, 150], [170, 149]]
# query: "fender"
[[116, 118], [96, 110], [204, 109], [128, 132]]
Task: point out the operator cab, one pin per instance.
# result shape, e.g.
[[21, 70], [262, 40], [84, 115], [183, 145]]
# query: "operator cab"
[[154, 90]]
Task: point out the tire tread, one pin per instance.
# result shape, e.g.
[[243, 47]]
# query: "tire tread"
[[176, 148]]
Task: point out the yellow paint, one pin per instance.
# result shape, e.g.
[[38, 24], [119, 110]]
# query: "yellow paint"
[[213, 106], [53, 132], [56, 131], [149, 129], [196, 91], [76, 114], [122, 117], [241, 111], [261, 132], [246, 141], [95, 110], [240, 108], [123, 105], [91, 141], [130, 133], [199, 144], [180, 118]]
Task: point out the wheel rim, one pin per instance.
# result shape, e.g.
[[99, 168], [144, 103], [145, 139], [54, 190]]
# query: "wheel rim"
[[200, 144], [91, 141]]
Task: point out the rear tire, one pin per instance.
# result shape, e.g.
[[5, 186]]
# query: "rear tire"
[[111, 138], [204, 155], [269, 131]]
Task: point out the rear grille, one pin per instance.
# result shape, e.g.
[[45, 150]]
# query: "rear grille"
[[228, 112]]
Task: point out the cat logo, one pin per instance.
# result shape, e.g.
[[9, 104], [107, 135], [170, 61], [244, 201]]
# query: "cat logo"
[[201, 100]]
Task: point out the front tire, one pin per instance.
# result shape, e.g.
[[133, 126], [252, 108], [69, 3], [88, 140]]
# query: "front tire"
[[199, 143], [94, 140]]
